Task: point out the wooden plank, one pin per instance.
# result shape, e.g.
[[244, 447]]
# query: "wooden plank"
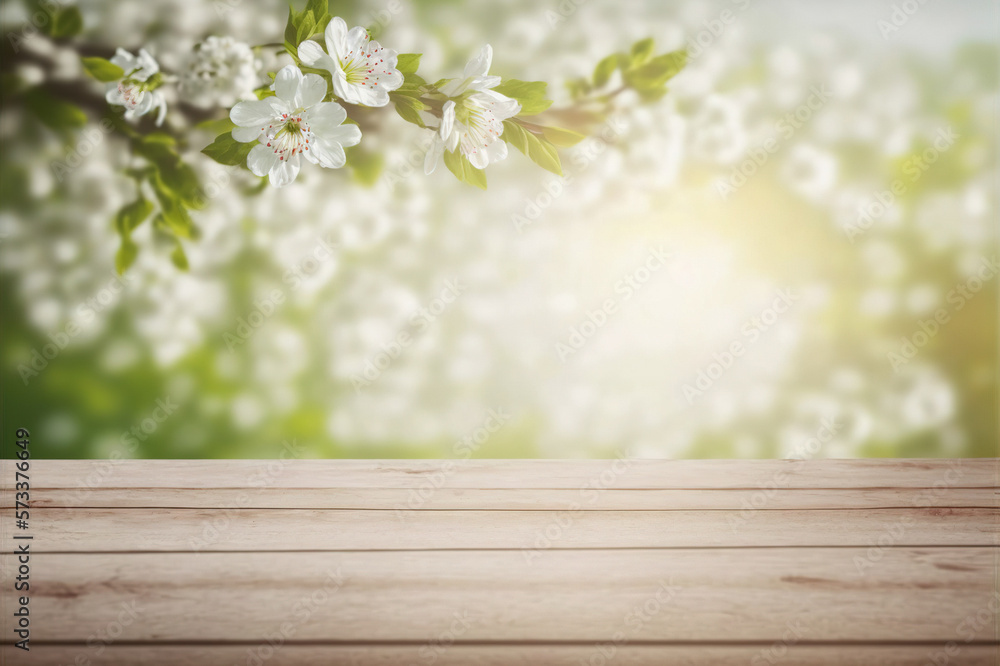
[[513, 655], [68, 530], [484, 474], [507, 499], [907, 594]]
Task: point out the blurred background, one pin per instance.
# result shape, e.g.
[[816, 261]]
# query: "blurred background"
[[792, 254]]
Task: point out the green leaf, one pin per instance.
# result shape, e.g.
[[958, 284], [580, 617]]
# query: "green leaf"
[[291, 27], [217, 126], [463, 169], [530, 94], [129, 217], [54, 113], [102, 70], [641, 51], [604, 70], [227, 150], [126, 255], [409, 109], [654, 74], [67, 23], [174, 174], [179, 258], [538, 149], [173, 215], [321, 13], [407, 63], [561, 137], [306, 27], [366, 166]]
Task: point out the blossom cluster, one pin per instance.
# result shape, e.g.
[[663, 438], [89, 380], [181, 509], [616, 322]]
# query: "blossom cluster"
[[301, 116]]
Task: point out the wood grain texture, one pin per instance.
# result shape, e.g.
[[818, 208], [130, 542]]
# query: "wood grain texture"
[[68, 530], [510, 562], [490, 474], [513, 655]]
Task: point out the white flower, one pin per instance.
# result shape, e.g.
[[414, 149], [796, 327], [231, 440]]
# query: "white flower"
[[220, 71], [363, 71], [475, 123], [136, 91], [293, 124]]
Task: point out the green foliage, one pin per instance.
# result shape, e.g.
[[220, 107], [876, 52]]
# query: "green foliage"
[[642, 50], [537, 147], [54, 113], [652, 77], [366, 166], [459, 165], [561, 137], [126, 220], [409, 108], [66, 22], [177, 177], [530, 94], [641, 71], [302, 25], [604, 70], [102, 70], [407, 63], [227, 150]]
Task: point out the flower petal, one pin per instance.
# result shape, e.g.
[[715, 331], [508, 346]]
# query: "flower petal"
[[503, 107], [261, 160], [480, 65], [313, 55], [285, 171], [311, 91], [479, 158], [328, 154], [357, 38], [114, 95], [433, 156], [447, 120], [497, 151], [325, 117], [345, 135], [286, 83], [252, 113], [246, 134], [335, 36]]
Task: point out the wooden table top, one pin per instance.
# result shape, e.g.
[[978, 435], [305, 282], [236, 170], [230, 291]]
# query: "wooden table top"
[[500, 562]]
